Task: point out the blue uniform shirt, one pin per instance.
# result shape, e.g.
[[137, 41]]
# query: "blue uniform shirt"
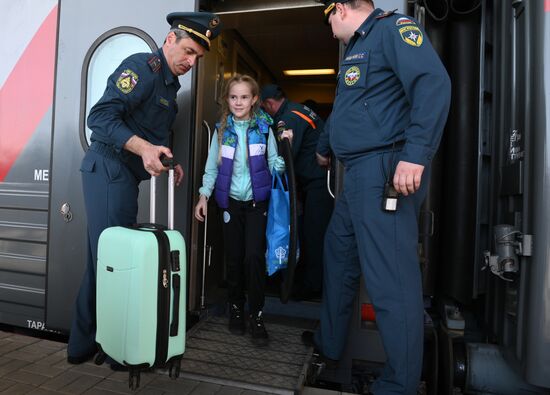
[[140, 99], [391, 87]]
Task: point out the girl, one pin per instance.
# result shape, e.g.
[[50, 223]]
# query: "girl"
[[240, 171]]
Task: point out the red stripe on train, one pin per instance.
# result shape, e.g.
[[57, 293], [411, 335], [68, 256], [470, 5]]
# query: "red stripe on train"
[[27, 93], [547, 5]]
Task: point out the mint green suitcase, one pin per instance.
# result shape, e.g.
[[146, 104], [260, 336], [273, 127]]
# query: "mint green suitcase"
[[141, 283]]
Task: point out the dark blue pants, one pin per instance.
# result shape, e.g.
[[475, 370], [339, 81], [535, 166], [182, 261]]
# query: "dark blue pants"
[[110, 195], [318, 206], [364, 239]]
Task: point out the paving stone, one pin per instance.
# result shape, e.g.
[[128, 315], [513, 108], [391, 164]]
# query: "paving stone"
[[152, 391], [206, 389], [7, 346], [51, 344], [24, 377], [229, 391], [178, 386], [24, 339], [60, 381], [5, 384], [98, 391], [82, 384], [4, 335], [92, 370], [4, 360], [22, 355], [119, 387], [44, 370], [43, 391], [18, 389], [12, 366], [54, 360]]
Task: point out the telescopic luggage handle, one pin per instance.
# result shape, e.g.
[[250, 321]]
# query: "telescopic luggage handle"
[[170, 163]]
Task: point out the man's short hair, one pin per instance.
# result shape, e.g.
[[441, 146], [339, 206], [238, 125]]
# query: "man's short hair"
[[271, 91], [179, 34]]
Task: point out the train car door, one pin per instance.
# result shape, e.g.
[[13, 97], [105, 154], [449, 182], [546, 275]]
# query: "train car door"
[[93, 38]]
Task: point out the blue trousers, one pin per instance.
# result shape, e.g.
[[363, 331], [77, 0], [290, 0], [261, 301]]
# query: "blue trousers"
[[363, 239], [110, 195]]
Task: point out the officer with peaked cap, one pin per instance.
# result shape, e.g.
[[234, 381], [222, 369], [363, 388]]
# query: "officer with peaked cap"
[[131, 129], [392, 101]]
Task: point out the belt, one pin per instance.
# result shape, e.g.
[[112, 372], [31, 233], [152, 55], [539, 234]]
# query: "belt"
[[106, 150]]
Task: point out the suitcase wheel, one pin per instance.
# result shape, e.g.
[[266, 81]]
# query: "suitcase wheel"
[[100, 358], [174, 369], [133, 379]]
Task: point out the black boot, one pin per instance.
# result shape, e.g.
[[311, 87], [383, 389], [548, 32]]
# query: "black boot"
[[236, 320], [257, 329]]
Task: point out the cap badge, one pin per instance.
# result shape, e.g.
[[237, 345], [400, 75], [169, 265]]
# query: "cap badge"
[[208, 33], [352, 75], [214, 22]]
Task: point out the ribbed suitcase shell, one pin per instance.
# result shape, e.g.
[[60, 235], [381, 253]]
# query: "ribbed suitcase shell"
[[127, 295]]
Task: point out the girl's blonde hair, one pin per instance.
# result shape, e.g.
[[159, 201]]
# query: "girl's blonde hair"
[[225, 111]]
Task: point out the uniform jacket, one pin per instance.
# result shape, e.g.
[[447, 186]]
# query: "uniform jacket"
[[306, 126], [140, 99], [392, 87]]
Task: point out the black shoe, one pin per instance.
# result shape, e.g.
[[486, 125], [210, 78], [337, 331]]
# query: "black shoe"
[[77, 360], [308, 338], [257, 329], [236, 320]]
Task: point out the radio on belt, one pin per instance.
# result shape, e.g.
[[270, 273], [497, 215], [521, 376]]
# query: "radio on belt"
[[389, 200]]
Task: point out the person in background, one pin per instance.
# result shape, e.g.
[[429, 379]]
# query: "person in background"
[[391, 106], [130, 132], [311, 179], [241, 159]]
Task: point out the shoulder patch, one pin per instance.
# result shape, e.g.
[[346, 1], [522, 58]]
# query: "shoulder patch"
[[412, 35], [154, 63], [386, 14], [404, 21], [127, 81]]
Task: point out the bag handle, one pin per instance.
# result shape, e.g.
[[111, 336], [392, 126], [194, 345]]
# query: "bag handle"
[[277, 182]]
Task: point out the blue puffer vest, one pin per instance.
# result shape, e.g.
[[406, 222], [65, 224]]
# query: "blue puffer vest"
[[257, 135]]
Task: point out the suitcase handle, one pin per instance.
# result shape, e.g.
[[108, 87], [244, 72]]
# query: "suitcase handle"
[[174, 326], [170, 163], [149, 226]]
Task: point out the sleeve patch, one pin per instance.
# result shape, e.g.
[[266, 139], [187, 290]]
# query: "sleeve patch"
[[412, 35], [127, 81]]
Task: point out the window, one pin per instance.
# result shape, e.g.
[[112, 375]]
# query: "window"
[[106, 57]]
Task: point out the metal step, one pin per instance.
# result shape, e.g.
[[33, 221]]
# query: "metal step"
[[215, 355]]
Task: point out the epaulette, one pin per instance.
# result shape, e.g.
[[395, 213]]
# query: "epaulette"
[[386, 13], [154, 63]]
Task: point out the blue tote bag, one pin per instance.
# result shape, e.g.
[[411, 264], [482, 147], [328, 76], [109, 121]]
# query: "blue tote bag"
[[278, 226]]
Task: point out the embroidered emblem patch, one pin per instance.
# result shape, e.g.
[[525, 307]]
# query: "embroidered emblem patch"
[[352, 75], [404, 21], [164, 102], [127, 81], [412, 35]]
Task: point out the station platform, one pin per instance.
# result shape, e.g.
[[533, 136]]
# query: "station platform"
[[30, 364]]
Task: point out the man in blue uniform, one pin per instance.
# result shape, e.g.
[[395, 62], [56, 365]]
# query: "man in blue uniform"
[[316, 202], [130, 132], [391, 106]]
